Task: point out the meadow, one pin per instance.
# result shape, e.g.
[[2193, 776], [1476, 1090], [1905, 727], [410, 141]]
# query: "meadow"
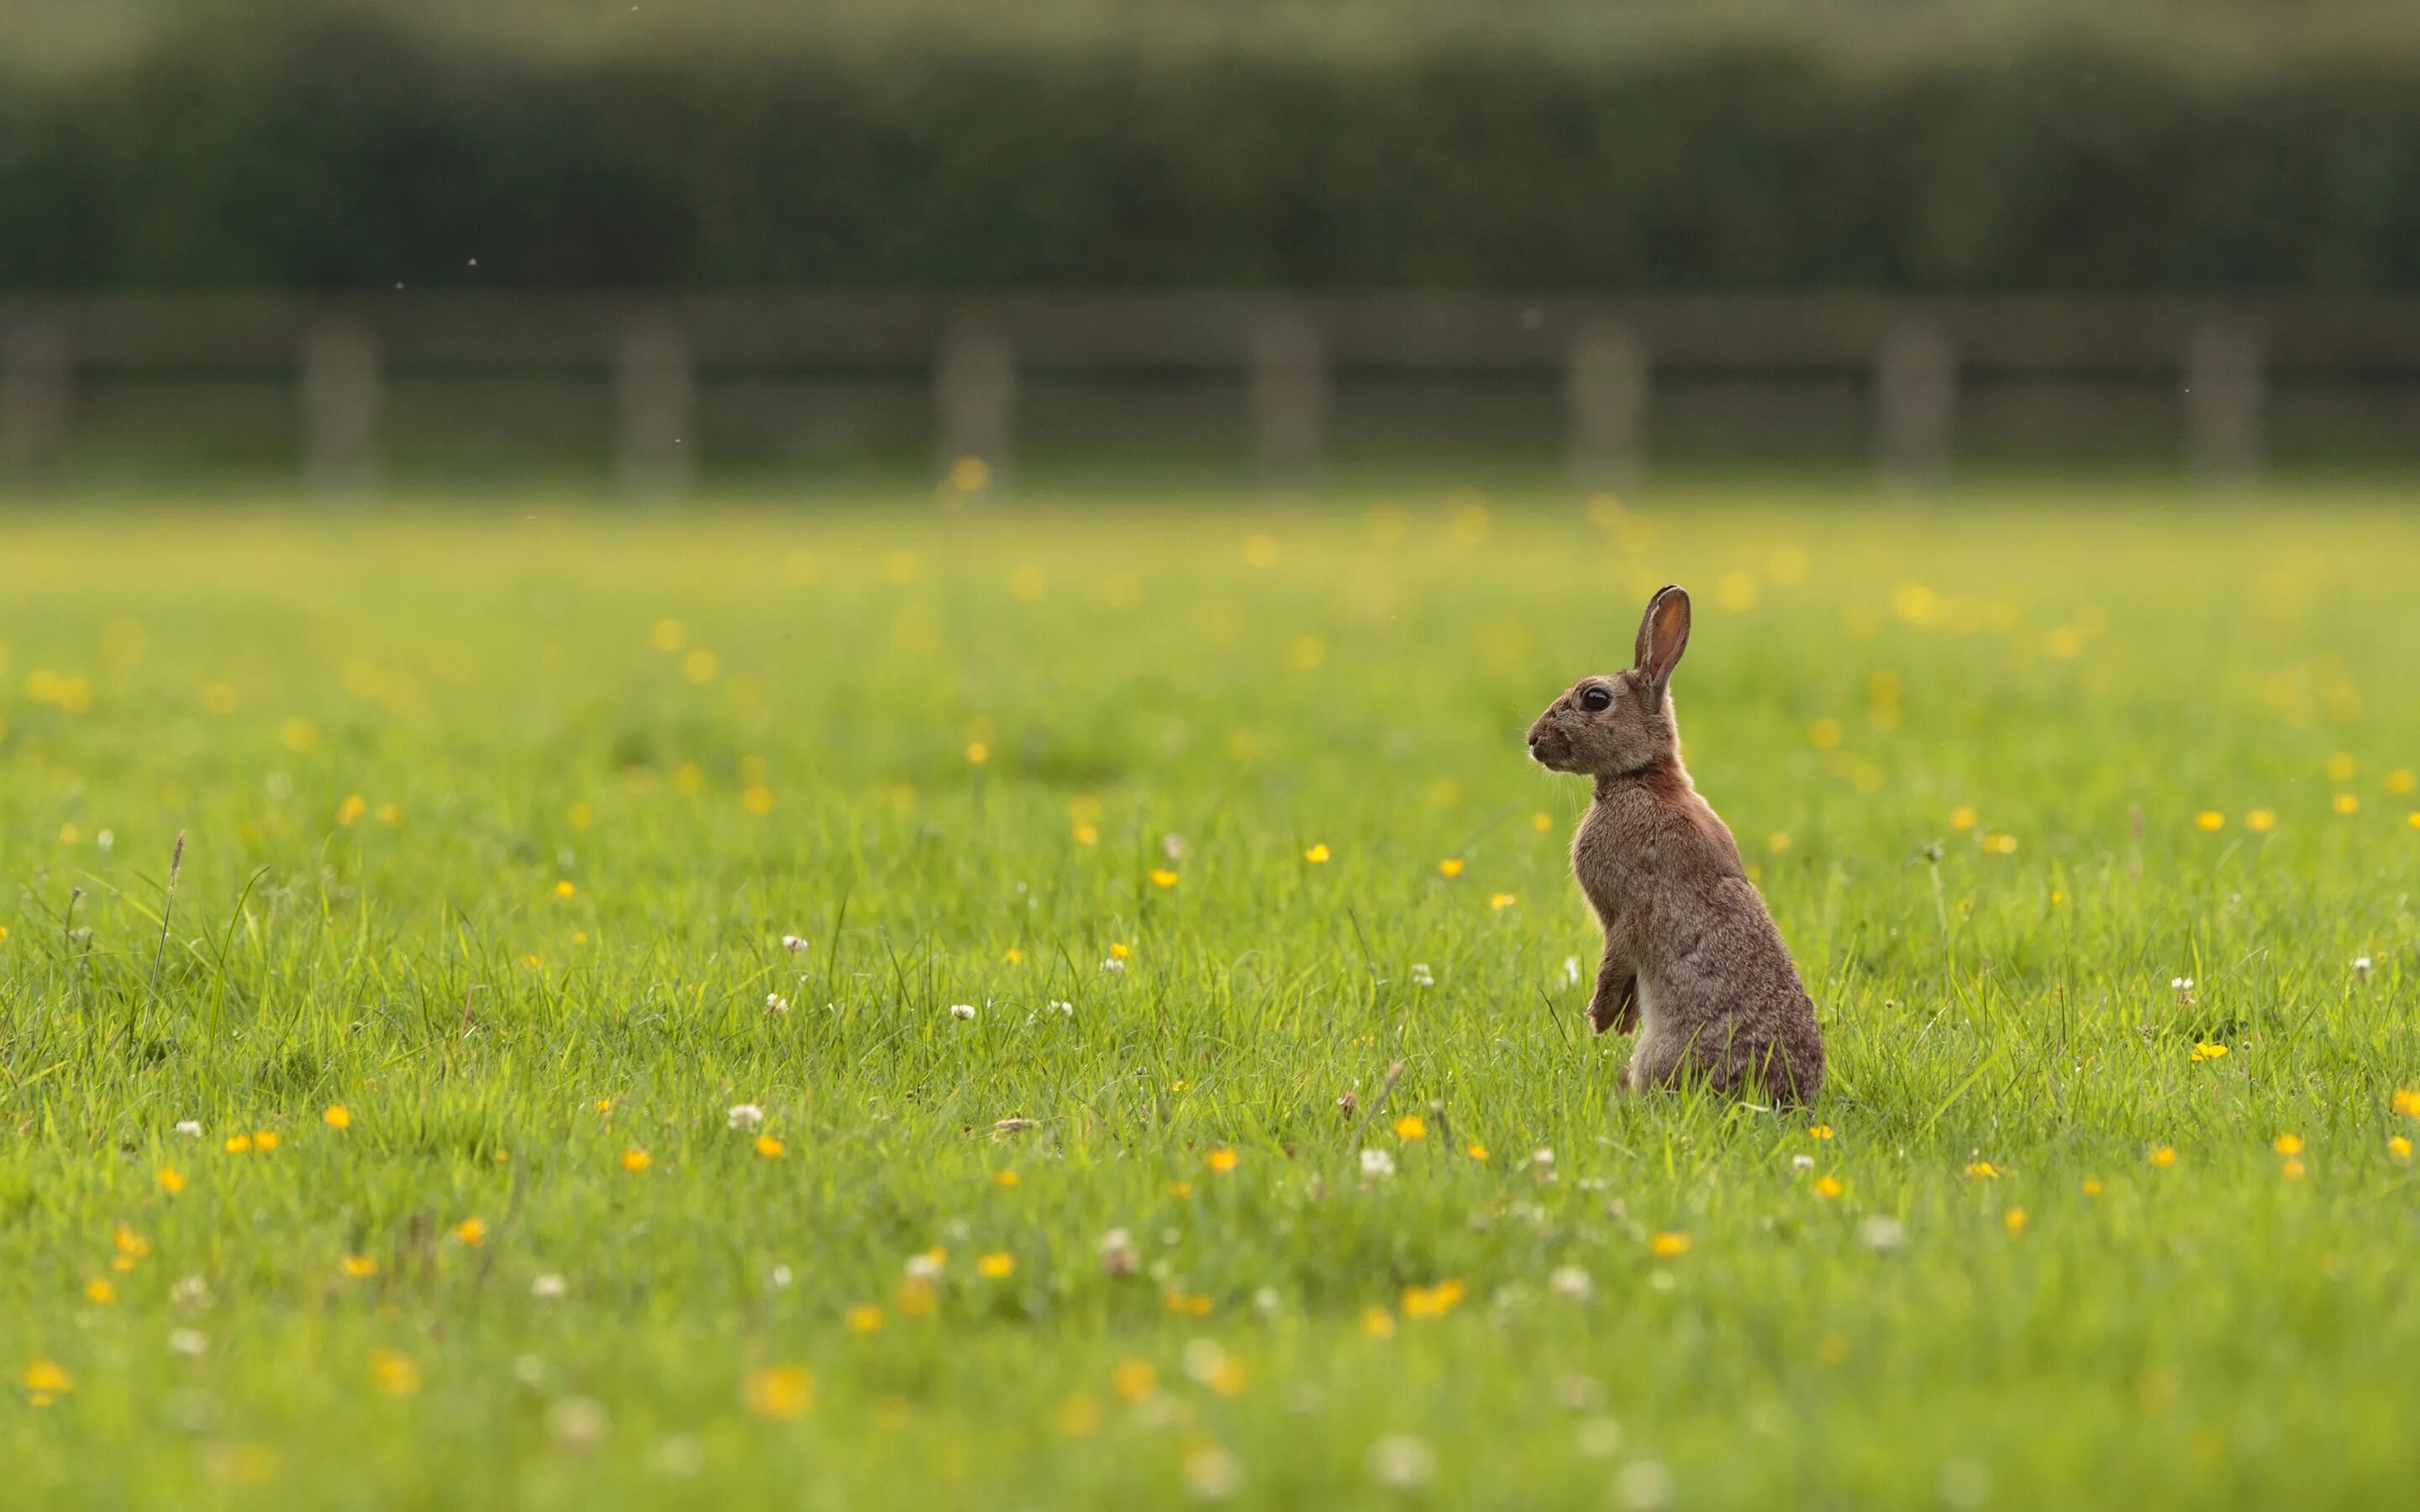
[[1077, 1002]]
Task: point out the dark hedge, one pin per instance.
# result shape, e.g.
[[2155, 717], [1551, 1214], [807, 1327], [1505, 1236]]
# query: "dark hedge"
[[348, 151]]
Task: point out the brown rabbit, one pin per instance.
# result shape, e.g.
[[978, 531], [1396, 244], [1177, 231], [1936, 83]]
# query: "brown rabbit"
[[1692, 958]]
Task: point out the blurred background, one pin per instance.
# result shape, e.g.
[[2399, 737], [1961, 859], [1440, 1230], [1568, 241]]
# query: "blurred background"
[[381, 245]]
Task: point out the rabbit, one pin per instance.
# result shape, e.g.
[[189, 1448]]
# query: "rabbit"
[[1692, 957]]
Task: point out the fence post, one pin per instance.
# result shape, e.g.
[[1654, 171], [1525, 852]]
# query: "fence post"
[[1290, 398], [340, 409], [974, 390], [37, 393], [1605, 386], [1915, 390], [656, 393], [2224, 392]]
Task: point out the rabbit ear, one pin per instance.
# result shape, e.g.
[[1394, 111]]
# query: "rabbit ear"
[[1663, 635]]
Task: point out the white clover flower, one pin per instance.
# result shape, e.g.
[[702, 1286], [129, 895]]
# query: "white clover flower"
[[190, 1127], [1570, 971], [1066, 1010], [923, 1267], [776, 1003], [1644, 1484], [746, 1119], [1882, 1233], [962, 1012], [780, 1275], [577, 1422], [1570, 1282], [1420, 977], [1376, 1165], [1401, 1462], [1599, 1438], [1113, 964], [549, 1288], [1173, 846], [1212, 1472], [1802, 1163], [794, 943], [1203, 1359], [1542, 1163], [1267, 1302], [1118, 1256], [189, 1342], [2361, 967], [681, 1456]]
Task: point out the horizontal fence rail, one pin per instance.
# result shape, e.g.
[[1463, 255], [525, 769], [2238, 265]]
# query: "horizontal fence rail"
[[1608, 352]]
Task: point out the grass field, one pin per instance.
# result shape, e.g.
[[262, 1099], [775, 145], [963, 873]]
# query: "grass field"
[[494, 826]]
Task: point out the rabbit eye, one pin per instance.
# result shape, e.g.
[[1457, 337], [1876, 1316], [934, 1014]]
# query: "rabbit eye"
[[1595, 698]]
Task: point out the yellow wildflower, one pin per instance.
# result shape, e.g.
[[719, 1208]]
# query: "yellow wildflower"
[[2261, 821], [1668, 1246], [1828, 1186], [471, 1231], [2210, 819], [1451, 866], [2164, 1156], [780, 1391], [1316, 856], [1500, 901], [1411, 1126], [769, 1148], [1378, 1323], [2287, 1144], [1221, 1159], [337, 1117], [393, 1374], [170, 1181], [863, 1319], [1133, 1379], [2015, 1219], [358, 1266], [1162, 877], [1432, 1302], [998, 1266], [1079, 1415], [635, 1160]]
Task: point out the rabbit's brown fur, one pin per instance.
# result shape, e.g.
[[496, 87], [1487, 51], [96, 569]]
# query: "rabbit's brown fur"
[[1692, 958]]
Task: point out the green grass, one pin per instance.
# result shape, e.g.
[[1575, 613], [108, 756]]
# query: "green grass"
[[2209, 1331]]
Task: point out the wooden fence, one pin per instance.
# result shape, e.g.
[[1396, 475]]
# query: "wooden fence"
[[1910, 356]]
